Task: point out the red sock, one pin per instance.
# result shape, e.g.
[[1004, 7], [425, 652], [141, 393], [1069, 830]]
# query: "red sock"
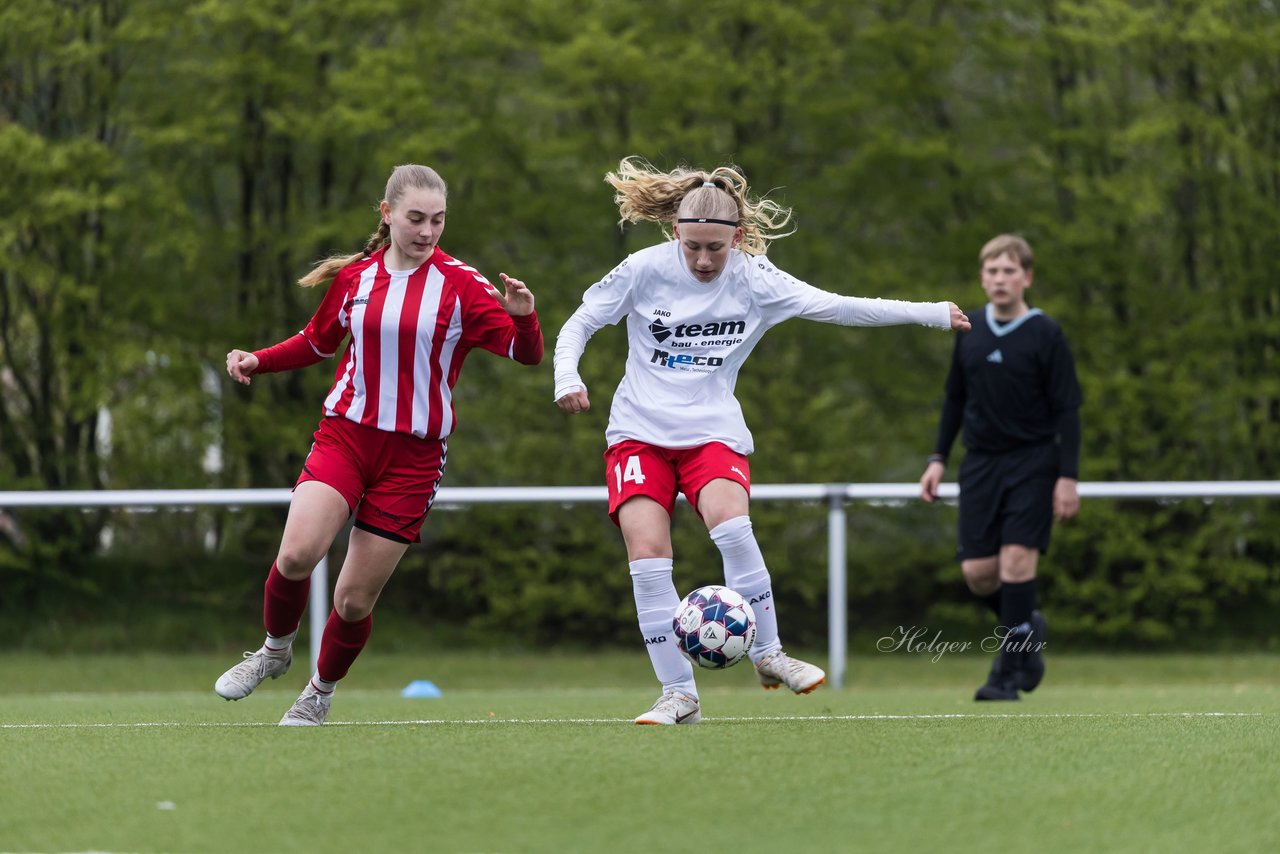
[[283, 602], [341, 644]]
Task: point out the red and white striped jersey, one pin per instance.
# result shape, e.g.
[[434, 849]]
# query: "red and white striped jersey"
[[410, 332]]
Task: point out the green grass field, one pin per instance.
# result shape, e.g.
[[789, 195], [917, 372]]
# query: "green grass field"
[[537, 753]]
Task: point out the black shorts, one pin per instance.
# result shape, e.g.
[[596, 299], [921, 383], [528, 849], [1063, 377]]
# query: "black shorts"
[[1006, 499]]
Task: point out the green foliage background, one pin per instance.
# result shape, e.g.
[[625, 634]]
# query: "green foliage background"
[[172, 168]]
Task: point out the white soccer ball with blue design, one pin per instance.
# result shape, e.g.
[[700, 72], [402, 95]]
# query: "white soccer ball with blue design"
[[714, 627]]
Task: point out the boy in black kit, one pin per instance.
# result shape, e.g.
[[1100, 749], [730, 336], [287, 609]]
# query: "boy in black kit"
[[1012, 386]]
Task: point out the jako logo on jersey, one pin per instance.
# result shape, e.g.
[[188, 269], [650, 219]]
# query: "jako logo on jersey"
[[738, 472], [996, 356], [761, 597], [662, 357], [656, 639], [713, 329], [659, 331]]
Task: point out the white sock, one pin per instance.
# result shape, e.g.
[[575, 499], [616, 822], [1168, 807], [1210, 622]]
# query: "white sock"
[[275, 645], [321, 685], [746, 575], [656, 601]]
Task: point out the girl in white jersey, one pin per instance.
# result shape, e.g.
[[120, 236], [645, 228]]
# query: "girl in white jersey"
[[695, 307], [412, 314]]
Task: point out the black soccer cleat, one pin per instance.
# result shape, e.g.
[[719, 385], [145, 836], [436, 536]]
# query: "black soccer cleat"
[[997, 691], [1002, 681], [1031, 668]]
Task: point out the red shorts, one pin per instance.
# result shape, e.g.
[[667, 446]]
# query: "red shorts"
[[389, 479], [635, 468]]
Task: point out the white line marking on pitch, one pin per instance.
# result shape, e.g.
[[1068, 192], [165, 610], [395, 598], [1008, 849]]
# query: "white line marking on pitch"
[[727, 719]]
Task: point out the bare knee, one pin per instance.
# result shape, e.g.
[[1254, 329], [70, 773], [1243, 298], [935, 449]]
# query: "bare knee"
[[1018, 564], [982, 575], [646, 529], [296, 563], [722, 500], [353, 605], [644, 549]]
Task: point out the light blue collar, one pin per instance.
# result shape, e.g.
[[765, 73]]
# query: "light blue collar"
[[1000, 330]]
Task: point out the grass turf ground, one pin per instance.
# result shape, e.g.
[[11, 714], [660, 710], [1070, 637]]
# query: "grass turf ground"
[[537, 753]]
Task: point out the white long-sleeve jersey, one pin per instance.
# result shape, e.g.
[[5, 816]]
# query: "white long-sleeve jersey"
[[687, 340]]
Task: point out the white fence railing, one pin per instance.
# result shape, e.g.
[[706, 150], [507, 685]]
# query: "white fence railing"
[[834, 495]]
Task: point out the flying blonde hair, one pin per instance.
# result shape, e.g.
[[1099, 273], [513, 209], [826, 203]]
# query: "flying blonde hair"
[[407, 177], [644, 193]]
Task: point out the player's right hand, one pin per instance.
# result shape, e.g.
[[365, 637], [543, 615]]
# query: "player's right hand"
[[241, 365], [574, 402], [929, 481]]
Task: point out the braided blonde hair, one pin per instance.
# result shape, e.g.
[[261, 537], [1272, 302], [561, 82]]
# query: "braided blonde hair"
[[643, 193], [407, 177]]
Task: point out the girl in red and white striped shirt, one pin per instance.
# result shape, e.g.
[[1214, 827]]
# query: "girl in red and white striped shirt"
[[412, 314]]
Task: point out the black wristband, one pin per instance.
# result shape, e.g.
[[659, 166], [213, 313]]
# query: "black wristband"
[[937, 458]]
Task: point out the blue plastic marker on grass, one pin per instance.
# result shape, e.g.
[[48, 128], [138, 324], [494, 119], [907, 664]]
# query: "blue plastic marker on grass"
[[420, 689]]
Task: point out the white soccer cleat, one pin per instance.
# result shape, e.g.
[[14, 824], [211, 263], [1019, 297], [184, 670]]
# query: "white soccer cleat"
[[673, 707], [239, 682], [778, 668], [310, 709]]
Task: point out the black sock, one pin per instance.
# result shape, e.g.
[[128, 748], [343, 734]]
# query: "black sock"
[[993, 601], [1017, 601]]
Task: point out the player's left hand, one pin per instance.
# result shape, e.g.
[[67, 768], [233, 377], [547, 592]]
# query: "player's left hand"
[[959, 321], [518, 300], [1066, 499]]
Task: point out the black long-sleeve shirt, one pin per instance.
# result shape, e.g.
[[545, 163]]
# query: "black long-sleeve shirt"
[[1012, 385]]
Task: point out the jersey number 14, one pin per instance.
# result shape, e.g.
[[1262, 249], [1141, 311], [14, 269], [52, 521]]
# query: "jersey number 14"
[[632, 473]]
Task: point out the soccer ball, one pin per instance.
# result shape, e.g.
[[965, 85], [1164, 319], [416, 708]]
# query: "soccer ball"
[[714, 627]]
